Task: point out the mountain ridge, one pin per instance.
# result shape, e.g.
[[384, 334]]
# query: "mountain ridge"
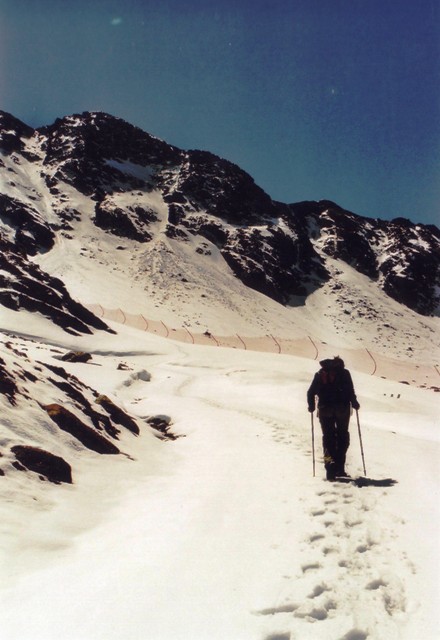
[[96, 172]]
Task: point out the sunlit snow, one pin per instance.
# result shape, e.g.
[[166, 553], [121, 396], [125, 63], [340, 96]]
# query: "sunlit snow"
[[224, 533]]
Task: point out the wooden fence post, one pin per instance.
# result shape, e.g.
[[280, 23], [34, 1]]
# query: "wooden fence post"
[[316, 348], [374, 362], [276, 342], [242, 341]]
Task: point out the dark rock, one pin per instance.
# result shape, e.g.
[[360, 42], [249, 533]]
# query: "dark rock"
[[67, 421], [175, 232], [17, 465], [31, 234], [29, 287], [52, 467], [80, 145], [222, 189], [12, 133], [117, 414], [162, 424], [76, 356], [411, 272], [8, 385], [75, 390], [131, 222], [213, 232], [402, 256]]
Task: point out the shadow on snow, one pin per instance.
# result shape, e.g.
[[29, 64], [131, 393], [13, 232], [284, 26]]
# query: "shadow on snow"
[[369, 482]]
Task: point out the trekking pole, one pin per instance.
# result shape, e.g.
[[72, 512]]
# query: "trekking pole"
[[313, 444], [360, 441]]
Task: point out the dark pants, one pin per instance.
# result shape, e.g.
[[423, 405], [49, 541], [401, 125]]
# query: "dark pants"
[[335, 436]]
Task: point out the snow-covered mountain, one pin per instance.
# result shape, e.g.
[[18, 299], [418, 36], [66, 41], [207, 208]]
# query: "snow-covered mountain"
[[177, 470], [97, 178]]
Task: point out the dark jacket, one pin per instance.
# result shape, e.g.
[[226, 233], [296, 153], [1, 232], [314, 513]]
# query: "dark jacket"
[[333, 386]]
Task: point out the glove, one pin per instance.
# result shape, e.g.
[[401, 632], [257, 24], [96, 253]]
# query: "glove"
[[311, 408], [355, 404]]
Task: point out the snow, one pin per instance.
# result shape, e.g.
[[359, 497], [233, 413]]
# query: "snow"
[[169, 280], [224, 533], [136, 170]]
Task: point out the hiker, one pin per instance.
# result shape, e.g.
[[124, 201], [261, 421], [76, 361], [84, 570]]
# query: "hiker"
[[334, 387]]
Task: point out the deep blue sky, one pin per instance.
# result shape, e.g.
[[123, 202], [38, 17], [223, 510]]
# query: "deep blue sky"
[[335, 99]]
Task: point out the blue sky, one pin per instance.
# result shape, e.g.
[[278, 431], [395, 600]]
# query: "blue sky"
[[335, 99]]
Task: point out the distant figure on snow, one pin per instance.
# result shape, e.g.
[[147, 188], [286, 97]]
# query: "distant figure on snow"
[[334, 387]]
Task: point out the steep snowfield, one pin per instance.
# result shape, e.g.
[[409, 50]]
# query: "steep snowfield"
[[223, 533], [188, 284]]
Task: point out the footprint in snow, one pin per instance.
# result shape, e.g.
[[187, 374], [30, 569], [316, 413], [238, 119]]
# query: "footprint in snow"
[[315, 537], [318, 591], [350, 523], [327, 493], [314, 613], [284, 608], [390, 593], [375, 584], [343, 514], [329, 550], [311, 566], [355, 634]]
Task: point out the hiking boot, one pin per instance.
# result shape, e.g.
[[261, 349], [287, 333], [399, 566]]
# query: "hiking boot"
[[331, 472]]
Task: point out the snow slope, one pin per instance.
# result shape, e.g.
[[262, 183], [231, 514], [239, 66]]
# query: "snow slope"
[[216, 529], [180, 284], [224, 533]]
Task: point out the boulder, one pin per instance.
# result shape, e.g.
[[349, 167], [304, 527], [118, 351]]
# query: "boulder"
[[46, 464], [76, 356], [67, 421]]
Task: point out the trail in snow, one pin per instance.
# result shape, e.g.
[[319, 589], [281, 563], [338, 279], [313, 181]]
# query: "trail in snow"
[[348, 572], [346, 543], [224, 533]]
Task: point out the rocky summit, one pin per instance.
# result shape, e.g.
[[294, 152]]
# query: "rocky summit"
[[99, 170]]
